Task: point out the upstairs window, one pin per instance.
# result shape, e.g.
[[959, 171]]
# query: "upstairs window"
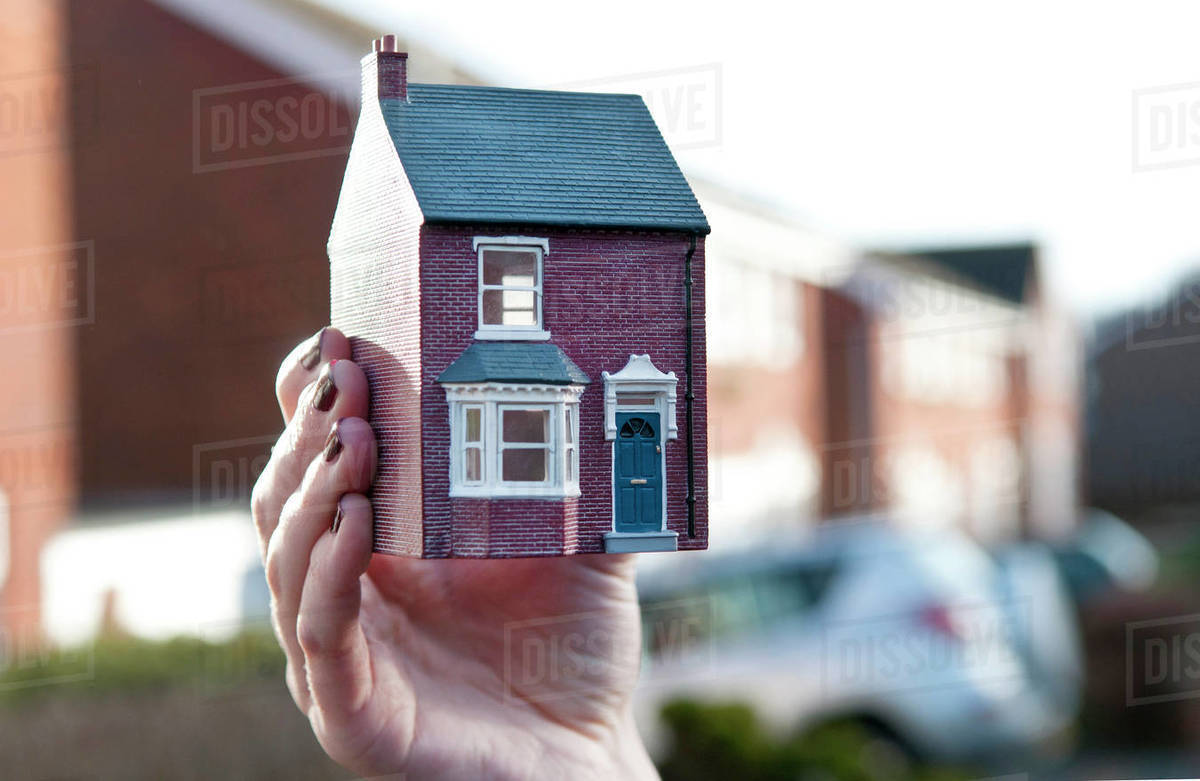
[[510, 288]]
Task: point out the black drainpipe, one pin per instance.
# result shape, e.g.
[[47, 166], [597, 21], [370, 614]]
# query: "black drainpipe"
[[689, 396]]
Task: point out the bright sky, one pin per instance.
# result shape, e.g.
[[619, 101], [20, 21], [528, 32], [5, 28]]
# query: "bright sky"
[[892, 124]]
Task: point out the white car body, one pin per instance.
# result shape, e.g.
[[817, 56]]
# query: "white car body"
[[920, 635]]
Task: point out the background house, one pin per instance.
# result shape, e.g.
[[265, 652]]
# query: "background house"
[[818, 394], [962, 381], [1141, 407], [768, 394], [169, 170], [939, 387], [178, 309]]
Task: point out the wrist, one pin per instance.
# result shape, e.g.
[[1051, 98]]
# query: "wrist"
[[626, 753], [620, 753]]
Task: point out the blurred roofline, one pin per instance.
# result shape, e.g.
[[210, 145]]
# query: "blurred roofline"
[[751, 202], [309, 40], [924, 261]]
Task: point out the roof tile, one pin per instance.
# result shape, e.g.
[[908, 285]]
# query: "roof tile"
[[540, 362], [487, 154]]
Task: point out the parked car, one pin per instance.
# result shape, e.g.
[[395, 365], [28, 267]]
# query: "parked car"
[[918, 636], [1047, 635], [1104, 554]]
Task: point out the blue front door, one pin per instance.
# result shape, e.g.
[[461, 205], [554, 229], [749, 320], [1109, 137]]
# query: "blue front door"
[[637, 473]]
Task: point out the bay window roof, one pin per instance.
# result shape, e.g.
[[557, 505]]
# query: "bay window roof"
[[533, 362]]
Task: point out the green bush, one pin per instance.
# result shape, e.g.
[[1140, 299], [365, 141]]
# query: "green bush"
[[129, 665], [721, 741]]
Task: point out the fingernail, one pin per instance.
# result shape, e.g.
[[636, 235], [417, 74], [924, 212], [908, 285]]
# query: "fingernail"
[[313, 356], [333, 445], [326, 391], [337, 520]]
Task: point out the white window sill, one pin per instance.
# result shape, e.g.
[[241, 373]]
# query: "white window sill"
[[644, 542], [511, 334], [514, 492]]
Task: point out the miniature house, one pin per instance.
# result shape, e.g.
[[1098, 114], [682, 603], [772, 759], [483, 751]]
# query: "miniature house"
[[521, 274]]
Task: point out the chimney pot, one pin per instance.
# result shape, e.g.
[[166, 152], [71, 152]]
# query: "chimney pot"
[[391, 68], [386, 44]]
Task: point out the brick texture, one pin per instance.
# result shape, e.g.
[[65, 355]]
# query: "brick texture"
[[406, 294], [606, 294], [375, 299]]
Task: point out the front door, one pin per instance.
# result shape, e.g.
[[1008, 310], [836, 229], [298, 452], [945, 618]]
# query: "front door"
[[637, 473]]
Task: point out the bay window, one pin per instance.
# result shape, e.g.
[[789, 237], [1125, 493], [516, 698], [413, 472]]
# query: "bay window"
[[515, 441]]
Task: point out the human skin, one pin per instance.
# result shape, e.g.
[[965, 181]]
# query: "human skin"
[[406, 666]]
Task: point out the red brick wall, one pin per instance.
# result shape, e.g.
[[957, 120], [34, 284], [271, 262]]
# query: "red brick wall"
[[745, 400], [375, 299], [205, 278], [849, 483], [752, 404], [605, 295], [37, 410], [951, 430]]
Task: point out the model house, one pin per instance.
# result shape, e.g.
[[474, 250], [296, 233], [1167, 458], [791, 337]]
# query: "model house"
[[521, 274]]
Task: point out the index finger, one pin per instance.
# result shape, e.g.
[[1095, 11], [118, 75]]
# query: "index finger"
[[303, 363]]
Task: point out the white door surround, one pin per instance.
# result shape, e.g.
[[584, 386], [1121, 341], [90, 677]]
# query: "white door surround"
[[640, 386]]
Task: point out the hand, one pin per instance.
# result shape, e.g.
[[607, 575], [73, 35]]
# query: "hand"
[[519, 668]]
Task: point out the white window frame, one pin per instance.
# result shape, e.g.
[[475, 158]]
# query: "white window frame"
[[462, 452], [540, 247], [570, 444], [553, 414], [494, 398]]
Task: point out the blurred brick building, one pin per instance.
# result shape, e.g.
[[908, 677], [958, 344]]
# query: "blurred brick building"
[[937, 387], [970, 389], [44, 298], [176, 190], [170, 171], [769, 392]]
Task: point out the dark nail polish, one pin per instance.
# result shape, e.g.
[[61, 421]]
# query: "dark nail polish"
[[325, 393], [313, 356], [333, 445], [337, 520]]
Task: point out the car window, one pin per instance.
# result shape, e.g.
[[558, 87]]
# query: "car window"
[[741, 604]]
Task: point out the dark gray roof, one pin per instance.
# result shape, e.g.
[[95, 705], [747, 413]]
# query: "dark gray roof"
[[493, 155], [1002, 270], [514, 362]]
